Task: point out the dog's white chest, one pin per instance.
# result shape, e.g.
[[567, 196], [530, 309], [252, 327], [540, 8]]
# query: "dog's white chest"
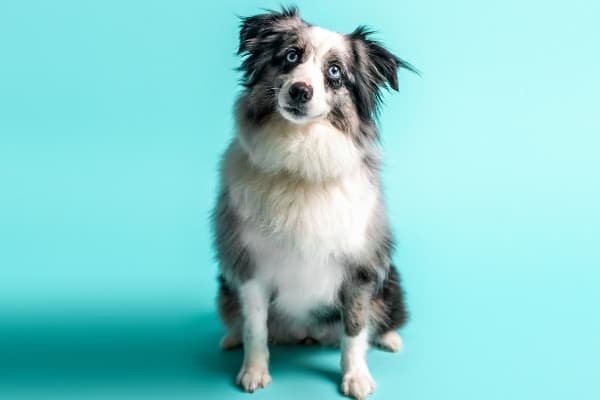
[[311, 218], [301, 282], [298, 233]]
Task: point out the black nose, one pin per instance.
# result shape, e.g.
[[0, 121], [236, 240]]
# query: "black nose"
[[300, 92]]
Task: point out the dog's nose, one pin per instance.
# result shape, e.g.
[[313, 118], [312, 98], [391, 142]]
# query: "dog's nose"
[[300, 92]]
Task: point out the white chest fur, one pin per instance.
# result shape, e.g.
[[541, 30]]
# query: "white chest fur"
[[302, 282], [295, 230], [311, 218]]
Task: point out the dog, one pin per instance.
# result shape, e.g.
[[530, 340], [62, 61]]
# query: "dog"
[[300, 229]]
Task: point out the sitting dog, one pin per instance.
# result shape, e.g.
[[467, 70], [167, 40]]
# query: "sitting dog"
[[301, 233]]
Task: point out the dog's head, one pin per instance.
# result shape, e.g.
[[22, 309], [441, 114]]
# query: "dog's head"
[[310, 95], [306, 73]]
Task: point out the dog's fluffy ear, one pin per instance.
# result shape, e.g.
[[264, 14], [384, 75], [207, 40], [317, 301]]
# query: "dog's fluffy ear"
[[257, 27], [377, 68]]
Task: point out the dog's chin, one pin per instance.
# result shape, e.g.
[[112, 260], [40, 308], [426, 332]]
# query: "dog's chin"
[[296, 115]]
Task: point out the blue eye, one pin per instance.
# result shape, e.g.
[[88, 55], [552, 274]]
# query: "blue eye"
[[291, 56], [334, 72]]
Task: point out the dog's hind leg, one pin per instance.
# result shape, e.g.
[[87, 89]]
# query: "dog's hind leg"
[[388, 313], [231, 340], [390, 341]]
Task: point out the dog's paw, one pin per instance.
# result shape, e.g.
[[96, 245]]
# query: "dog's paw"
[[390, 341], [252, 377], [358, 384]]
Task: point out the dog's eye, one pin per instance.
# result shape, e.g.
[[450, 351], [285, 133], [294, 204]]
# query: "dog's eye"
[[291, 56], [334, 72]]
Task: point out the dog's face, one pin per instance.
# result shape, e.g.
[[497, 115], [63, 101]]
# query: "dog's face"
[[306, 73], [309, 73]]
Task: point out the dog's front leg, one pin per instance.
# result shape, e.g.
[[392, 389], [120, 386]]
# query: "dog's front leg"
[[254, 299], [357, 381]]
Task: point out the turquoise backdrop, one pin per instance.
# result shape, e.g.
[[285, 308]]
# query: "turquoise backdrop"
[[113, 115]]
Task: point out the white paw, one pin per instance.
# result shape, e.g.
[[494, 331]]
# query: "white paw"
[[390, 341], [253, 376], [358, 384]]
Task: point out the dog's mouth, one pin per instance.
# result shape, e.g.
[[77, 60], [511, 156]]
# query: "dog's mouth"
[[295, 111]]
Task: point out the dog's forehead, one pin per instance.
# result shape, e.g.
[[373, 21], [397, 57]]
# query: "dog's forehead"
[[323, 41]]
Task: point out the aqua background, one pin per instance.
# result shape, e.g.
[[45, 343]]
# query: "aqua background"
[[113, 115]]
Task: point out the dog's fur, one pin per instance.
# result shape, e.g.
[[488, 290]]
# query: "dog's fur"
[[301, 232]]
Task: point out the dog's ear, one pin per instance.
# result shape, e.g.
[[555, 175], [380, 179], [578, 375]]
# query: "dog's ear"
[[254, 29], [377, 68]]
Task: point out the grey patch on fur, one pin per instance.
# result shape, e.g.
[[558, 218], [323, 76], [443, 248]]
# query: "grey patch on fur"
[[234, 259], [338, 117], [388, 309], [327, 315], [229, 305], [356, 295]]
